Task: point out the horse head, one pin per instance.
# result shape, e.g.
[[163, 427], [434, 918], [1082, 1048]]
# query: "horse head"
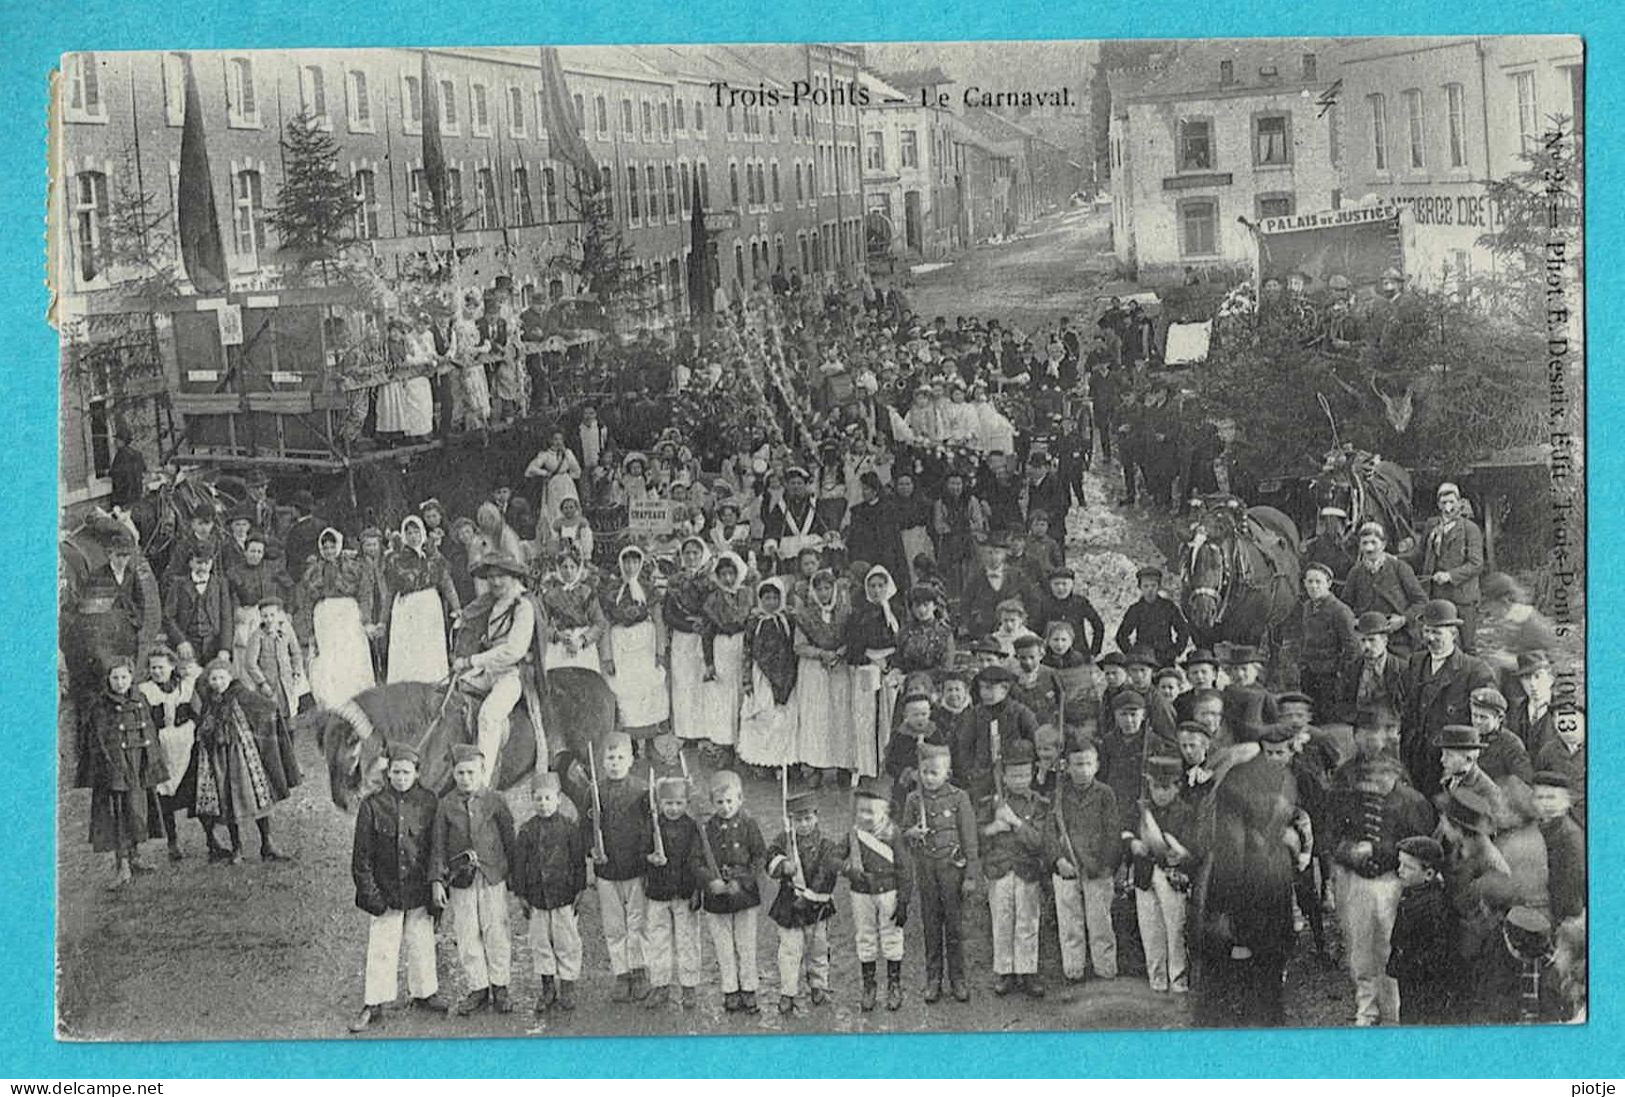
[[1206, 579], [353, 737]]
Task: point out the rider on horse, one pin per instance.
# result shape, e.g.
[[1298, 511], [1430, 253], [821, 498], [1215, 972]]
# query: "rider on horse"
[[504, 655]]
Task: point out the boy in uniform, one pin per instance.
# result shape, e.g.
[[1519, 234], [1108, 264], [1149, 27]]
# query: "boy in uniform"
[[1015, 827], [470, 846], [1085, 848], [672, 893], [1163, 845], [807, 866], [627, 829], [731, 844], [1421, 951], [1036, 686], [880, 872], [390, 865], [903, 748], [549, 875], [946, 851]]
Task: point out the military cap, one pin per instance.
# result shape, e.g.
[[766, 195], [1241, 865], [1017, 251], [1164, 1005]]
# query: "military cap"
[[802, 803], [1061, 573], [1374, 623], [1200, 657], [1317, 566], [987, 646], [465, 752], [1111, 659], [1458, 737], [1529, 920], [934, 750], [1148, 572], [1275, 733], [1019, 752], [1488, 697], [1024, 642], [1195, 728], [1294, 696], [994, 675], [1127, 699], [1140, 657], [1424, 849], [1241, 654], [1468, 810], [1438, 613], [1168, 672], [1551, 778], [401, 751], [1163, 769]]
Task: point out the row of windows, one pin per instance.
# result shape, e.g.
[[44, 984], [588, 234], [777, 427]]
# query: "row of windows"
[[1526, 117], [908, 149], [1271, 141]]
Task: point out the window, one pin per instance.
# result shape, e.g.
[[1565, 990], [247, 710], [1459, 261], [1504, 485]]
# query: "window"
[[242, 107], [412, 105], [550, 194], [358, 102], [366, 211], [1309, 67], [910, 148], [728, 120], [313, 93], [665, 121], [248, 217], [516, 112], [682, 122], [685, 185], [775, 175], [699, 116], [1271, 144], [653, 192], [1227, 72], [90, 221], [1276, 205], [600, 116], [417, 198], [772, 126], [1523, 86], [626, 118], [1413, 122], [448, 107], [485, 199], [606, 183], [1199, 227], [875, 151], [523, 212], [671, 191], [479, 109], [1195, 145], [800, 194], [634, 208], [795, 126], [733, 184], [84, 89], [174, 89], [705, 185], [648, 121], [739, 264], [1379, 132]]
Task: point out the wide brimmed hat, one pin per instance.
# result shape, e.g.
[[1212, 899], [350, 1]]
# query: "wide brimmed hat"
[[500, 562]]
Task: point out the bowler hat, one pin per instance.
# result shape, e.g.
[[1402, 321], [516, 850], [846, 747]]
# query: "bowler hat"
[[1458, 737], [1241, 654], [994, 675], [1110, 659], [1200, 657], [1374, 623], [1440, 612], [1140, 657]]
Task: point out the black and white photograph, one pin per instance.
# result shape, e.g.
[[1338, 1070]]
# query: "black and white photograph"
[[991, 536]]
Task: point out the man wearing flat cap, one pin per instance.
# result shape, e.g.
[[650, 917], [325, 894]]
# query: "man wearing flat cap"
[[1449, 557], [1439, 681], [1154, 620], [1329, 641]]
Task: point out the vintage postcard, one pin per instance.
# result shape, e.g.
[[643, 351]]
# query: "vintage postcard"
[[822, 537]]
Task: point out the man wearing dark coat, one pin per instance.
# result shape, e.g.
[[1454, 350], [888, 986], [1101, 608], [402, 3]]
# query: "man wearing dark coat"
[[1438, 684], [1449, 556], [128, 471], [198, 610]]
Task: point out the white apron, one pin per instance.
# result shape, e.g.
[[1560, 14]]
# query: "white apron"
[[245, 619], [824, 715], [639, 682], [767, 731], [417, 638], [719, 699], [687, 660], [586, 656], [342, 667]]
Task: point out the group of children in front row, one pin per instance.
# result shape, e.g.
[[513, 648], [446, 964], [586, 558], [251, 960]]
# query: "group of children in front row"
[[659, 873]]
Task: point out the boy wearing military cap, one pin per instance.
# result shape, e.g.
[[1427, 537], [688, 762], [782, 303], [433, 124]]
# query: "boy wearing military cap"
[[880, 872], [734, 853], [389, 862], [1504, 754], [470, 848], [1060, 600], [1154, 620], [946, 849], [1164, 851], [1015, 827], [549, 875], [996, 722], [1421, 950], [807, 865], [1513, 980], [1084, 851], [672, 891], [1036, 686], [1329, 640], [622, 817]]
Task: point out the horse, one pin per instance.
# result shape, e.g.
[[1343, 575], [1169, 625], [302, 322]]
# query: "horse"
[[1370, 488], [577, 709], [162, 516], [1241, 573]]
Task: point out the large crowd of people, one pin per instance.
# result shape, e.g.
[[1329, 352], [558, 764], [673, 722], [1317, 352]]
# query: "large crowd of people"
[[874, 597]]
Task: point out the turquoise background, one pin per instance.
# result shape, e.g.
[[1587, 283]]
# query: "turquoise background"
[[34, 34]]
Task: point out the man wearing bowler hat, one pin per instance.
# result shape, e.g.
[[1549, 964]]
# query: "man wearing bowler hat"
[[1530, 714], [1460, 746], [1449, 556], [1377, 674], [1439, 681]]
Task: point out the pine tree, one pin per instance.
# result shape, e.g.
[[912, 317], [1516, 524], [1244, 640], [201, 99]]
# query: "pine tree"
[[601, 260], [316, 207]]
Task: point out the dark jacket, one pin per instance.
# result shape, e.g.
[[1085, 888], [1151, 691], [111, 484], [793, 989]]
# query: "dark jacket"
[[950, 826], [1421, 954], [1328, 635], [1504, 755], [979, 604], [390, 859], [1088, 630], [1021, 850], [679, 877], [1091, 839], [822, 860], [734, 851], [973, 754], [202, 620], [1158, 625], [628, 829], [475, 821], [1391, 589], [549, 862], [1459, 552], [1565, 867], [1384, 821], [1432, 701]]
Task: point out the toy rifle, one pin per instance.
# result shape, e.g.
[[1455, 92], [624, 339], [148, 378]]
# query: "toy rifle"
[[654, 817], [597, 807], [799, 878], [996, 748], [1066, 835], [855, 859], [705, 839]]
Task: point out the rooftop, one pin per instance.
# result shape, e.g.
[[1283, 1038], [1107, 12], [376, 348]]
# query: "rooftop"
[[1234, 66]]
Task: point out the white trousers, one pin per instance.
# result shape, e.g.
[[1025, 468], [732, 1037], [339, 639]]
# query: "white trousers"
[[1161, 913], [385, 933], [506, 690], [1367, 910], [1013, 904], [480, 924], [620, 909], [804, 944], [734, 938], [668, 922], [877, 935], [1084, 922], [555, 942]]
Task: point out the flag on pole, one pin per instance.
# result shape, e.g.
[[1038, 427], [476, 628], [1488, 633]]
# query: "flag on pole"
[[434, 154], [699, 254], [203, 254], [561, 120]]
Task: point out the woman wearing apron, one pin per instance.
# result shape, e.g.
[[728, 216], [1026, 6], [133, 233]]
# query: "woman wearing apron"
[[684, 615], [559, 471], [575, 621], [871, 641], [634, 655], [424, 599], [823, 681], [767, 723], [722, 639], [341, 661]]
